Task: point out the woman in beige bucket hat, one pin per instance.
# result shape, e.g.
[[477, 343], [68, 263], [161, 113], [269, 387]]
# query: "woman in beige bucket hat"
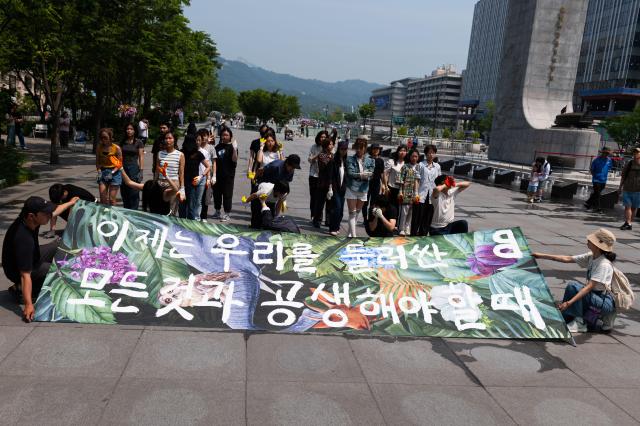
[[584, 304]]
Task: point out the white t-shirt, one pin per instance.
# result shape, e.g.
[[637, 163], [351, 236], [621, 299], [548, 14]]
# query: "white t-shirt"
[[143, 129], [444, 206], [599, 270], [428, 174], [267, 188], [269, 156], [394, 172]]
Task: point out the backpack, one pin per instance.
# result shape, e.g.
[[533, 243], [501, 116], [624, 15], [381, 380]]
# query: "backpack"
[[620, 289]]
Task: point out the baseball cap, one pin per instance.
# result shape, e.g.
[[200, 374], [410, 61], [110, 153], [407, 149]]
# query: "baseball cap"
[[293, 160], [38, 205]]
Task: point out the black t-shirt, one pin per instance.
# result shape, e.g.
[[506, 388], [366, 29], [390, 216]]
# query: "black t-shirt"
[[255, 146], [20, 250], [192, 166], [380, 231], [225, 166], [158, 144], [17, 116], [76, 191], [378, 169], [130, 151]]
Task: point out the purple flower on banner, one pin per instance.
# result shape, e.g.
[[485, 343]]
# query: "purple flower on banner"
[[100, 258], [484, 262]]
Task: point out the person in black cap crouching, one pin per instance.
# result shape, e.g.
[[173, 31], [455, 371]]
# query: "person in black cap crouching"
[[25, 263]]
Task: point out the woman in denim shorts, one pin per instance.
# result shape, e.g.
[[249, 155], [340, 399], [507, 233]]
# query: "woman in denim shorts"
[[108, 165]]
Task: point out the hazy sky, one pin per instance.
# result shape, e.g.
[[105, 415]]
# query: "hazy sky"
[[373, 40]]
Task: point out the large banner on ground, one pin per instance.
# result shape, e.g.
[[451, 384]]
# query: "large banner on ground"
[[117, 266]]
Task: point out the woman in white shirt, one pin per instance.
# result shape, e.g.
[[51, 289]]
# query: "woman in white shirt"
[[584, 304], [423, 212]]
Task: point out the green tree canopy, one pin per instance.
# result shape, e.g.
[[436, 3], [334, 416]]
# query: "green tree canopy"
[[266, 105], [624, 129], [350, 117], [366, 111]]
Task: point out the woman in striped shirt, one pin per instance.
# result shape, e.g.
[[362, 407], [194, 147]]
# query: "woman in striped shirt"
[[172, 162]]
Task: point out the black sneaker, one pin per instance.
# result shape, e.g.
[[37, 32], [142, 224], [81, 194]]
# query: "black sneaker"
[[626, 227]]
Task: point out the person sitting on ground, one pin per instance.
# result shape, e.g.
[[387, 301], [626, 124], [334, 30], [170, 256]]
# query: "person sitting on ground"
[[383, 217], [585, 303], [272, 194], [444, 205], [279, 223], [24, 262], [61, 194], [152, 192]]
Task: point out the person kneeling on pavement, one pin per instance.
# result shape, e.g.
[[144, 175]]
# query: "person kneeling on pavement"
[[273, 195], [60, 194], [383, 217], [444, 206], [25, 263], [584, 304]]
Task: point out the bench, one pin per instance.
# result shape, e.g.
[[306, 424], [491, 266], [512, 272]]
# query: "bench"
[[505, 177], [80, 142], [462, 169], [482, 173], [445, 166], [608, 199], [565, 190], [39, 128]]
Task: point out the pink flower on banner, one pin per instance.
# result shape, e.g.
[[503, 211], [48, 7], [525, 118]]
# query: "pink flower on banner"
[[484, 262], [100, 258]]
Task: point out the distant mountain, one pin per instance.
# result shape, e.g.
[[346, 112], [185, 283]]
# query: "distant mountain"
[[313, 95]]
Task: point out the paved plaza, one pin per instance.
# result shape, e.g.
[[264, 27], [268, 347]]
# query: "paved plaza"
[[53, 373]]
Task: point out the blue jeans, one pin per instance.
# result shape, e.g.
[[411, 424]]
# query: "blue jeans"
[[130, 196], [194, 199], [20, 136], [598, 300], [11, 136], [337, 212]]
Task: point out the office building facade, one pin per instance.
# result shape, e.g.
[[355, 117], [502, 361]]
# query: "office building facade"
[[435, 97], [608, 76], [483, 60], [390, 100]]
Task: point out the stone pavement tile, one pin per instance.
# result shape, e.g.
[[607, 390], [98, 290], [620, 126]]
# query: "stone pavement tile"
[[628, 400], [438, 405], [303, 403], [559, 406], [175, 402], [601, 365], [186, 354], [604, 338], [631, 341], [53, 401], [10, 338], [71, 352], [284, 357], [11, 313], [514, 363], [424, 362]]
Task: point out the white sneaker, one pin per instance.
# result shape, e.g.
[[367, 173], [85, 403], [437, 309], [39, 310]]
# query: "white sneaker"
[[608, 321], [225, 218], [217, 215], [577, 326]]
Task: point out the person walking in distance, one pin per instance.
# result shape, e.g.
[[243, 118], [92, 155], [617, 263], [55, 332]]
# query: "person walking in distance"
[[599, 169], [630, 189]]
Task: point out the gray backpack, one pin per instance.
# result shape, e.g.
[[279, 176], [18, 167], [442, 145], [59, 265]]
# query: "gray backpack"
[[620, 289]]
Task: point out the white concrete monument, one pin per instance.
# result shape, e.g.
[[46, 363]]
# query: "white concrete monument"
[[539, 63]]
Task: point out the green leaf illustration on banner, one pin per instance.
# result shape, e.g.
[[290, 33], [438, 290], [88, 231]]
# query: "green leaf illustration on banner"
[[64, 290]]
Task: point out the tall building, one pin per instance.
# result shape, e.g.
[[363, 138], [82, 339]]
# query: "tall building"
[[390, 100], [483, 59], [608, 77], [435, 97]]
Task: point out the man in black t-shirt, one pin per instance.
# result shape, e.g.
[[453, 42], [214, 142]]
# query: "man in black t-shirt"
[[158, 143], [60, 194], [382, 221], [25, 263]]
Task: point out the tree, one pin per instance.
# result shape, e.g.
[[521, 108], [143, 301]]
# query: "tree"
[[486, 122], [350, 117], [366, 111], [266, 105], [227, 101], [625, 129], [446, 133]]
